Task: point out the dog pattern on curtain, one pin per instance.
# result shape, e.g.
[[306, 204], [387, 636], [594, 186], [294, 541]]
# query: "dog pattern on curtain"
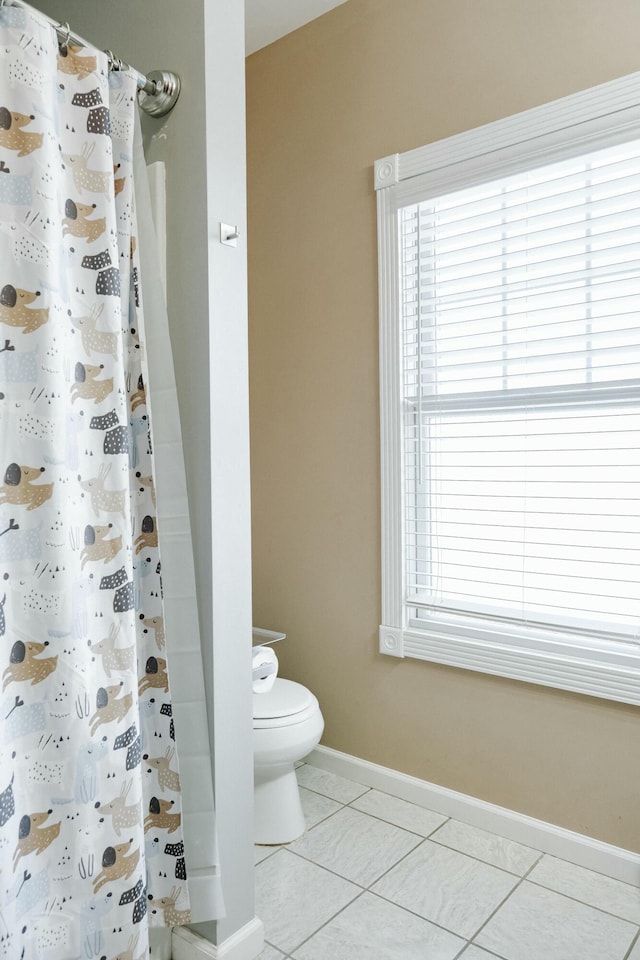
[[90, 811]]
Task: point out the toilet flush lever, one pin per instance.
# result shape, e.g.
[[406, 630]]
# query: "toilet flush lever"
[[229, 235], [264, 670]]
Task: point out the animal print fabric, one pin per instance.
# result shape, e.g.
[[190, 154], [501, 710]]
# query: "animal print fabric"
[[91, 849]]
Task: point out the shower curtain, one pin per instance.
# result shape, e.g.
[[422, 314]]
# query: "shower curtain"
[[91, 833]]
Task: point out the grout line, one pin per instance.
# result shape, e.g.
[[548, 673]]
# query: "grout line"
[[264, 859], [268, 943], [365, 788], [634, 886], [462, 951], [420, 916], [567, 896], [528, 872], [487, 863], [392, 867], [322, 819], [321, 866], [392, 823], [311, 829], [330, 920], [490, 953], [633, 943], [345, 803], [504, 900]]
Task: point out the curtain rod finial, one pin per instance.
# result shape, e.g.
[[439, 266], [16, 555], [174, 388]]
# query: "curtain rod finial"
[[160, 97]]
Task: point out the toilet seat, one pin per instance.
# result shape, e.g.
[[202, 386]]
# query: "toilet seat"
[[287, 703]]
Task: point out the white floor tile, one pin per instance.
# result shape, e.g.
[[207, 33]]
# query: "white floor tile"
[[535, 923], [295, 897], [475, 953], [489, 847], [452, 882], [447, 887], [261, 853], [316, 807], [329, 784], [358, 847], [399, 812], [615, 897], [270, 953], [372, 929]]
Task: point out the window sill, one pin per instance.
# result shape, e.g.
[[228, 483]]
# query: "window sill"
[[607, 672]]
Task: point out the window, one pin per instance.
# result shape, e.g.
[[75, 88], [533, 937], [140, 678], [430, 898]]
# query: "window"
[[510, 396]]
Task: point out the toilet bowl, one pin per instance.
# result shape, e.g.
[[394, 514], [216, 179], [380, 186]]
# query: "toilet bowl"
[[287, 725]]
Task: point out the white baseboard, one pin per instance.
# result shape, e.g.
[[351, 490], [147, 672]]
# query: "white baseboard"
[[244, 944], [576, 847]]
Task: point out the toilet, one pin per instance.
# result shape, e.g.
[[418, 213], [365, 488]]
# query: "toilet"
[[287, 725]]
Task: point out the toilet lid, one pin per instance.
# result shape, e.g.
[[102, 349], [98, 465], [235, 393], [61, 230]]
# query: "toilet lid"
[[285, 699]]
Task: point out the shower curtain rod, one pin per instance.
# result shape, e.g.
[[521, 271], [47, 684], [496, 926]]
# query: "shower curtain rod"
[[160, 89]]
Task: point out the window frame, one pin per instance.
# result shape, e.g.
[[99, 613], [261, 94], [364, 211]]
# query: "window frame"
[[601, 116]]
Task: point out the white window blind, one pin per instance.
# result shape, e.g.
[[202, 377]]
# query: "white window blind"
[[510, 396], [521, 359]]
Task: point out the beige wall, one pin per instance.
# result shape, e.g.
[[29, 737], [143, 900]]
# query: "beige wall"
[[368, 79]]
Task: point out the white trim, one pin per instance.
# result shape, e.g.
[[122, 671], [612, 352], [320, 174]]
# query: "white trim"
[[511, 160], [390, 420], [160, 943], [386, 171], [602, 112], [607, 114], [593, 854], [391, 641], [610, 679], [245, 944]]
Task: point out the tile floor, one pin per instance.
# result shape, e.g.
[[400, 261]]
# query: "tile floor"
[[378, 878]]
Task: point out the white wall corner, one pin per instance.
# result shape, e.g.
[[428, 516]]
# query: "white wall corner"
[[391, 641], [245, 944], [385, 172]]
